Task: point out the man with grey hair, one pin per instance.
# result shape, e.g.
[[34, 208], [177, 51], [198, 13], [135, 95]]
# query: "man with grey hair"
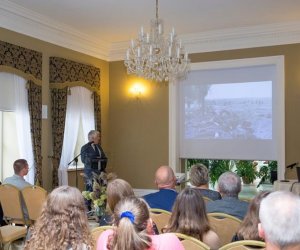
[[229, 186], [279, 214], [93, 158]]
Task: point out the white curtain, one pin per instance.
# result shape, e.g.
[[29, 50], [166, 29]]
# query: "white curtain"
[[87, 112], [23, 125], [80, 105]]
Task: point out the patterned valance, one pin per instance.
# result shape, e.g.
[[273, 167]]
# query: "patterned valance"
[[21, 61], [66, 73]]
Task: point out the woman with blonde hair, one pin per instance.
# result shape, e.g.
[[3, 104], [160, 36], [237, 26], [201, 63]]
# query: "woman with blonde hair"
[[116, 190], [189, 217], [63, 223], [199, 178], [249, 226], [133, 228]]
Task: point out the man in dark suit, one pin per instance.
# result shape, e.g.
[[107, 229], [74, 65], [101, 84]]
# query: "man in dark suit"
[[229, 186], [93, 158], [165, 180]]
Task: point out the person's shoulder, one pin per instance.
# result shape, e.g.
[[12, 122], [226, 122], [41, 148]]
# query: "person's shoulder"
[[150, 195], [103, 239], [211, 239], [166, 241]]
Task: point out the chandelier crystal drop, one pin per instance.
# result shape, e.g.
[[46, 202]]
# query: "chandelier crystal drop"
[[153, 57]]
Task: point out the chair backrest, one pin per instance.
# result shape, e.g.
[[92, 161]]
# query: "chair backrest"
[[34, 197], [10, 199], [191, 243], [224, 225], [244, 245], [160, 217], [96, 232]]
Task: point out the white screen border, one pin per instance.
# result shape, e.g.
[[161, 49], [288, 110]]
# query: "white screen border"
[[277, 61]]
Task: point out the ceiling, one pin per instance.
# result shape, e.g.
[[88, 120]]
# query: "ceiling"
[[110, 24]]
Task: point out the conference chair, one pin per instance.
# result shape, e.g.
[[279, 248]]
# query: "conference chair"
[[11, 201], [34, 197], [191, 243], [160, 217], [224, 225], [9, 234], [96, 232], [244, 245]]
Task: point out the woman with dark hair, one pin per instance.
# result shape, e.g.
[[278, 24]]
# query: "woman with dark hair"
[[249, 227], [189, 217], [116, 190], [133, 228], [62, 224]]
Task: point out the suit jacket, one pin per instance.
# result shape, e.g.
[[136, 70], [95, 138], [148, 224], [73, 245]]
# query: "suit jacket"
[[228, 205], [90, 157], [163, 199]]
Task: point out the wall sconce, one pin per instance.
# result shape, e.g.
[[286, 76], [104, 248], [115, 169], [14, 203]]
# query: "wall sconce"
[[137, 90]]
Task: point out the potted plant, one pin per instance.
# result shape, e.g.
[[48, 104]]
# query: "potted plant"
[[246, 170], [98, 195], [218, 167], [268, 172]]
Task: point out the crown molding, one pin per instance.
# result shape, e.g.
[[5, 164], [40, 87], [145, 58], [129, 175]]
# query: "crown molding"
[[229, 39], [15, 17]]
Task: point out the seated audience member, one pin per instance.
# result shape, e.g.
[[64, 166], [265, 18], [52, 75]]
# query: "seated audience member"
[[199, 179], [62, 224], [248, 229], [166, 181], [229, 186], [20, 169], [279, 225], [189, 217], [133, 229], [116, 190]]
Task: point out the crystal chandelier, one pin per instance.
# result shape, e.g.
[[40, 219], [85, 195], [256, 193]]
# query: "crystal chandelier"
[[153, 57]]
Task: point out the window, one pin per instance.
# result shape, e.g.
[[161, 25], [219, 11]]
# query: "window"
[[15, 137]]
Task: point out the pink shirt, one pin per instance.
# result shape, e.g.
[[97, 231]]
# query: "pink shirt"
[[159, 242]]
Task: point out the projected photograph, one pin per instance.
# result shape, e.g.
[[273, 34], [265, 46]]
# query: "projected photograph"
[[228, 111]]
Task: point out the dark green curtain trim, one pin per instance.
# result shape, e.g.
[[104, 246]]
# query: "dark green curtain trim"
[[63, 70], [59, 107], [25, 60], [35, 111], [97, 111]]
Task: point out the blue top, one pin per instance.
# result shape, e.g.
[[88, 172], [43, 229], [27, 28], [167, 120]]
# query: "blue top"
[[211, 194], [228, 205], [163, 199]]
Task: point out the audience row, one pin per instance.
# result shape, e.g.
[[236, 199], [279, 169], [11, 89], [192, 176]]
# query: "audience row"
[[271, 217]]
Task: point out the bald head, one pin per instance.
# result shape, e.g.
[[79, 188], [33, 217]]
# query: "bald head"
[[165, 178]]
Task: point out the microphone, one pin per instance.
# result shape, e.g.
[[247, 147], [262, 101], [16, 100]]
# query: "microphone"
[[291, 166], [90, 143]]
